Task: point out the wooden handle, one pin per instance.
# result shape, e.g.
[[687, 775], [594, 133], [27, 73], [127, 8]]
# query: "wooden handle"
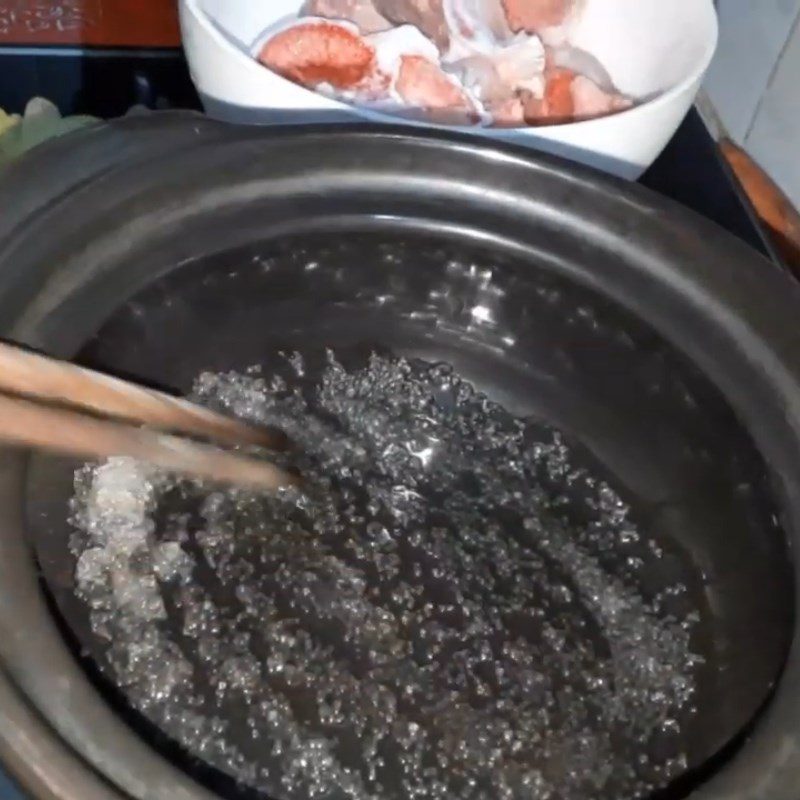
[[30, 424], [36, 376], [771, 204]]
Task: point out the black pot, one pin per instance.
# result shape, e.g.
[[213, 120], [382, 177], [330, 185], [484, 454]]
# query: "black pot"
[[667, 348]]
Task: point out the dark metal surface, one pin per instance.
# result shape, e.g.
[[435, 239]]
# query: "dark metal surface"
[[102, 83], [106, 83], [672, 445], [692, 171], [679, 308]]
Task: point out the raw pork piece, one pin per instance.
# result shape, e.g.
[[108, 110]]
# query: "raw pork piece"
[[476, 27], [487, 74], [534, 16], [427, 15], [570, 97], [509, 113], [361, 13], [505, 71], [396, 70], [315, 52], [593, 101], [493, 63], [416, 79], [421, 84], [558, 104], [582, 62]]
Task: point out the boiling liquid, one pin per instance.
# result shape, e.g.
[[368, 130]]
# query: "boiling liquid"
[[454, 606]]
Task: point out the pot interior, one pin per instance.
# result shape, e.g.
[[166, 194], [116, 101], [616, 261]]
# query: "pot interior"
[[639, 421]]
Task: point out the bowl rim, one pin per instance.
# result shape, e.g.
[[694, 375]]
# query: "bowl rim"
[[664, 98]]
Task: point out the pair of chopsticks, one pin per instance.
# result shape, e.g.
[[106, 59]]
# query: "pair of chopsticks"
[[62, 408]]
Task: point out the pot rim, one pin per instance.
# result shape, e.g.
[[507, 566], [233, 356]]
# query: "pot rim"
[[726, 308]]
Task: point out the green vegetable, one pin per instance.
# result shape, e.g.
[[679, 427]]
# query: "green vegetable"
[[40, 122]]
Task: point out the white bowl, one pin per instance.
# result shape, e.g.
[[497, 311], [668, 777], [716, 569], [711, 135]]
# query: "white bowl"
[[655, 50]]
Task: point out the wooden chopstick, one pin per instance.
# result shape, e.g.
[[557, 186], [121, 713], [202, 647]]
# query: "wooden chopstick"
[[55, 405], [35, 376], [30, 424]]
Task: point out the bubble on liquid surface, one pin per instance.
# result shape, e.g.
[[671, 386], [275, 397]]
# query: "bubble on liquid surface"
[[454, 605]]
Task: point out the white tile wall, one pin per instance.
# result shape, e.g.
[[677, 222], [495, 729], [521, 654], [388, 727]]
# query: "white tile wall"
[[754, 83], [774, 138]]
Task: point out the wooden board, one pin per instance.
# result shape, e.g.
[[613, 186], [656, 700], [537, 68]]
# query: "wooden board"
[[90, 23]]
